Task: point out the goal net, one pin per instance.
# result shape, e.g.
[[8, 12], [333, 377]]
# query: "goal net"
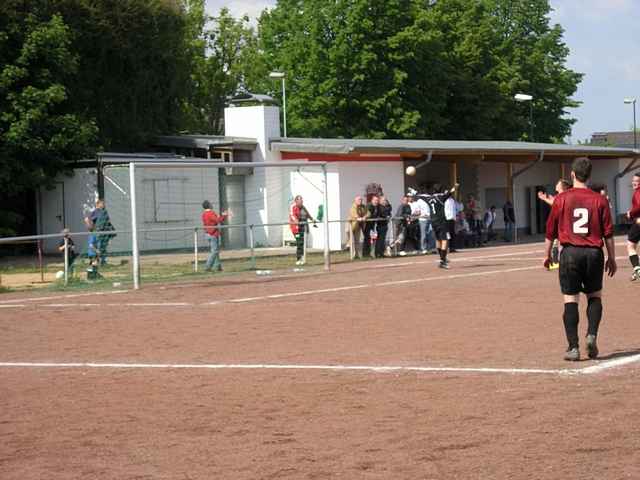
[[256, 234]]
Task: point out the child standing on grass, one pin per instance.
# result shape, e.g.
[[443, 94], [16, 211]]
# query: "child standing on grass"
[[71, 248]]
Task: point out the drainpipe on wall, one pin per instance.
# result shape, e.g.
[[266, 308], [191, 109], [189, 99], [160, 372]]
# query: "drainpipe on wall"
[[513, 189], [426, 161], [617, 177]]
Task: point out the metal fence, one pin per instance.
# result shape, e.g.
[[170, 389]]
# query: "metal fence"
[[251, 257]]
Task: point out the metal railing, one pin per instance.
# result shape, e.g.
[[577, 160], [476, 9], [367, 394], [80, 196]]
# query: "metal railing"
[[200, 229]]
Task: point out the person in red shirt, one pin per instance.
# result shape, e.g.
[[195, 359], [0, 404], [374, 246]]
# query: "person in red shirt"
[[211, 220], [634, 232], [580, 219], [299, 218]]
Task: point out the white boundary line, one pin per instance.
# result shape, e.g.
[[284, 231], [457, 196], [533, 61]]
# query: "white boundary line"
[[425, 261], [502, 257], [607, 364], [594, 369], [275, 296], [57, 297], [514, 250]]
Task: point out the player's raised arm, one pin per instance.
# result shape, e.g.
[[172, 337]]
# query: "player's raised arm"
[[546, 198], [552, 233]]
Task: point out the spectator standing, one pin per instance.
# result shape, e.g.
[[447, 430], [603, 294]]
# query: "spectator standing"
[[370, 236], [509, 220], [357, 221], [427, 239], [299, 218], [403, 214], [450, 213], [474, 216], [210, 221], [98, 221], [386, 212], [71, 249]]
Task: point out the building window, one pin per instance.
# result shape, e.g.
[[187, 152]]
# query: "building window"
[[164, 200]]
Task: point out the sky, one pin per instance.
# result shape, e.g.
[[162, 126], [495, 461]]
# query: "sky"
[[604, 39]]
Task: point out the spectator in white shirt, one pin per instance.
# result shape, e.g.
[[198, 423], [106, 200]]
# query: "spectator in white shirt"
[[450, 213], [427, 239], [489, 223]]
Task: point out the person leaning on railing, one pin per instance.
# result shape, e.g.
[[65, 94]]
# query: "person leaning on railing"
[[386, 212], [99, 221], [358, 215], [299, 218], [71, 248], [371, 226], [403, 214]]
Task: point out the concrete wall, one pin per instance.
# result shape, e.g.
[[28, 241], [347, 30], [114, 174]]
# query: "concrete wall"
[[493, 175], [625, 192], [355, 176], [310, 184], [263, 189], [66, 205]]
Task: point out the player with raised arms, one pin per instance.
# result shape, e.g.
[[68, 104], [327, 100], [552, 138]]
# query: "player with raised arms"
[[634, 232], [436, 200], [581, 220]]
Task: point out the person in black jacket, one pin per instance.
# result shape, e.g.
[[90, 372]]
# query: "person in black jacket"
[[370, 226], [386, 212], [509, 220], [403, 216]]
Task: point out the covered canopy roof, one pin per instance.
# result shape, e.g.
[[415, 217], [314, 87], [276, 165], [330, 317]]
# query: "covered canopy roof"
[[206, 142], [518, 152]]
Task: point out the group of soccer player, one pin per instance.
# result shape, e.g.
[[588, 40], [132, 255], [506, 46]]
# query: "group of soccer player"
[[580, 220]]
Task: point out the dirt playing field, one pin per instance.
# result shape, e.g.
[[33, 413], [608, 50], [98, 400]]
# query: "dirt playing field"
[[389, 369]]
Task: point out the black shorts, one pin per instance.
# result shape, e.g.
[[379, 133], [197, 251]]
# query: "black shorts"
[[581, 270], [441, 231], [634, 233]]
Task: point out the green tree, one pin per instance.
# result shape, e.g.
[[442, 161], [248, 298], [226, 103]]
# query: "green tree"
[[134, 60], [535, 57], [82, 75], [226, 60], [357, 68], [39, 130], [410, 68]]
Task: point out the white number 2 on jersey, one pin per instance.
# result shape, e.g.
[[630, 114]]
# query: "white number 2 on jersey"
[[582, 222]]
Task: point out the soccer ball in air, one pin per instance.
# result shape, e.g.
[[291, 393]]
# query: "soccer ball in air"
[[411, 171], [59, 275]]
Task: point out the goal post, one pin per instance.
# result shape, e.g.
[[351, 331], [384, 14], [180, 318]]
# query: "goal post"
[[262, 209]]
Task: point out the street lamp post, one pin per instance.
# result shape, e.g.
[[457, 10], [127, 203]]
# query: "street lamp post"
[[632, 101], [281, 76], [523, 97]]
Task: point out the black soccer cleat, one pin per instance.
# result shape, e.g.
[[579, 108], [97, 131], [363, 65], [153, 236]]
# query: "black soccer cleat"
[[636, 274], [572, 354], [444, 265], [592, 347]]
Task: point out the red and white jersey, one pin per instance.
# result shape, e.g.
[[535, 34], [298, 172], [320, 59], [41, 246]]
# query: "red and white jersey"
[[580, 217]]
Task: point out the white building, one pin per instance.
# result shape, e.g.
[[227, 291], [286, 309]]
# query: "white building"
[[170, 198]]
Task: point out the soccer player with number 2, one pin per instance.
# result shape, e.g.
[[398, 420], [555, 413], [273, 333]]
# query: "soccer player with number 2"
[[581, 221]]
